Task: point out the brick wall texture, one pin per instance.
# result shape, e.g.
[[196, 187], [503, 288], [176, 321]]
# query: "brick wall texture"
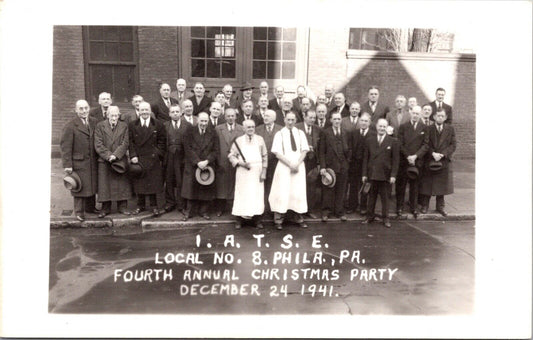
[[329, 61]]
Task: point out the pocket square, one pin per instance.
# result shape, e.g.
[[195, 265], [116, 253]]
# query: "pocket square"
[[388, 147], [422, 132]]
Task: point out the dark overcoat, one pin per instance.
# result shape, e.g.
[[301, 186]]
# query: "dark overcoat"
[[335, 151], [77, 152], [413, 142], [161, 110], [148, 145], [199, 148], [447, 108], [225, 172], [380, 112], [175, 157], [380, 162], [112, 186], [203, 106], [441, 182], [97, 113]]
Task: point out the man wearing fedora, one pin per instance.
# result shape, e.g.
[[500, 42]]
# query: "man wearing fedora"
[[78, 156], [246, 94], [225, 172], [248, 154], [162, 105], [437, 179], [199, 100], [335, 153], [413, 139], [148, 140], [100, 113], [201, 152], [380, 167], [312, 132], [111, 143], [176, 129], [247, 112]]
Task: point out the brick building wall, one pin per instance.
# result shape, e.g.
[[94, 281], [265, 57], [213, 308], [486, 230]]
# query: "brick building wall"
[[68, 76]]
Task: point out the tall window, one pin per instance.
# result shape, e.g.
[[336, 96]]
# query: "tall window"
[[213, 52], [274, 53], [111, 61]]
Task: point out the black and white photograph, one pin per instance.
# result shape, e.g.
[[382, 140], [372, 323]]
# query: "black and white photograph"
[[217, 174]]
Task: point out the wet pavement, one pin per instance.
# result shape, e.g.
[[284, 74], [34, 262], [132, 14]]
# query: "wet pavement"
[[414, 268]]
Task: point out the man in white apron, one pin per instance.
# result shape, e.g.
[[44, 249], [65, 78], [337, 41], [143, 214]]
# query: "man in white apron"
[[249, 155], [288, 185]]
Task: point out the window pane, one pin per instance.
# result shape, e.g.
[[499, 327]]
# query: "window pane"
[[197, 31], [274, 68], [259, 50], [212, 31], [197, 67], [101, 80], [288, 70], [126, 51], [228, 69], [289, 51], [111, 51], [213, 69], [229, 52], [96, 33], [211, 49], [260, 33], [274, 51], [123, 88], [111, 33], [197, 48], [274, 33], [229, 30], [289, 34], [259, 71], [125, 33], [96, 50]]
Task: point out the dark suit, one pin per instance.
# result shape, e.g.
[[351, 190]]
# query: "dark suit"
[[272, 159], [174, 162], [412, 142], [160, 108], [345, 112], [380, 111], [311, 162], [203, 106], [355, 172], [78, 153], [258, 113], [220, 120], [129, 116], [273, 105], [280, 117], [257, 119], [240, 99], [392, 119], [98, 114], [296, 105], [346, 124], [148, 144], [447, 108], [335, 153], [380, 163], [438, 183], [326, 123]]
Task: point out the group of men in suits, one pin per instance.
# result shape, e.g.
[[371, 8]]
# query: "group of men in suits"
[[176, 134]]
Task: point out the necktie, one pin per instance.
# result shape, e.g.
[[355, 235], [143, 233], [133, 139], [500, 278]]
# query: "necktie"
[[167, 101], [321, 123], [269, 129], [380, 139], [293, 142], [439, 127], [113, 127], [175, 125], [427, 121], [308, 130], [440, 105], [84, 120]]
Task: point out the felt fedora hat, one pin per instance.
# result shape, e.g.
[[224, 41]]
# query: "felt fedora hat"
[[329, 179], [136, 170], [435, 165], [205, 176], [247, 86], [120, 166], [73, 182], [412, 172]]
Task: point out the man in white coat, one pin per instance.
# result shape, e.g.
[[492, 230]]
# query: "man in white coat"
[[249, 155], [288, 185]]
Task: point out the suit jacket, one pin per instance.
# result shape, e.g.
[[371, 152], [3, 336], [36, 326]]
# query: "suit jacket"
[[344, 113], [257, 112], [130, 116], [380, 112], [175, 138], [273, 105], [447, 108], [327, 123], [194, 120], [257, 119], [239, 100], [78, 153], [203, 106], [269, 139], [392, 119], [413, 142], [98, 114], [347, 124], [313, 140], [174, 94], [335, 151], [160, 109], [149, 146], [280, 118], [381, 162], [359, 144], [220, 121], [225, 172], [296, 105]]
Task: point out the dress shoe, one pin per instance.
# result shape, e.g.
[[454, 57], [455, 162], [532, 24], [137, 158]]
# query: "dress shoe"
[[259, 225], [93, 211], [156, 212], [102, 214], [219, 213], [138, 211], [124, 212], [311, 215], [415, 213], [386, 223], [303, 225], [369, 220], [325, 218], [442, 212], [185, 217], [80, 218], [343, 218], [299, 219], [424, 209], [238, 225], [363, 212], [399, 213], [169, 208], [279, 226], [206, 217]]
